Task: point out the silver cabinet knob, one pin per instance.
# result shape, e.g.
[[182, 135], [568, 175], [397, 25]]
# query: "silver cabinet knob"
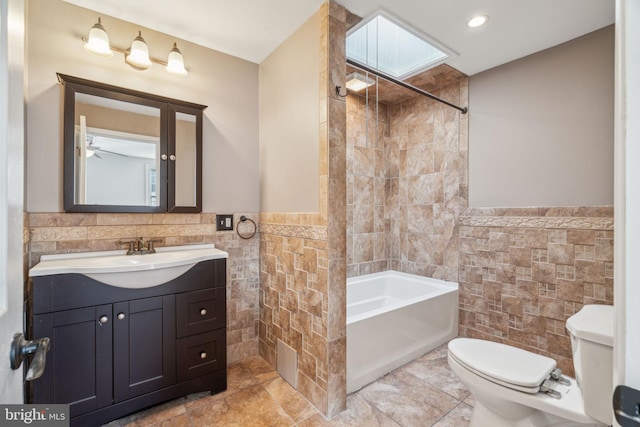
[[203, 311], [103, 319], [121, 316], [203, 355], [172, 158], [163, 157]]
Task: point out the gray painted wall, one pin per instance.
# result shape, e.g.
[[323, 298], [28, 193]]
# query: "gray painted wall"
[[541, 127], [290, 122], [227, 85]]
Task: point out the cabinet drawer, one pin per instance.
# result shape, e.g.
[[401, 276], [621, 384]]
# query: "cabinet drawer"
[[201, 354], [201, 311]]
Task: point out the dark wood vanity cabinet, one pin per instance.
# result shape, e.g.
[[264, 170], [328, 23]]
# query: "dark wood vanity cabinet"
[[115, 351]]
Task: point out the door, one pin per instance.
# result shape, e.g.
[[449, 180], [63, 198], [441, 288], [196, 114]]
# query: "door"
[[627, 205], [79, 362], [144, 346], [11, 190]]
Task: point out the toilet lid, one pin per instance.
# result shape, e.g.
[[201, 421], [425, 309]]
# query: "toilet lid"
[[508, 366]]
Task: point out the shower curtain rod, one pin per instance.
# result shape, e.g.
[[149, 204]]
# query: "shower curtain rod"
[[387, 77]]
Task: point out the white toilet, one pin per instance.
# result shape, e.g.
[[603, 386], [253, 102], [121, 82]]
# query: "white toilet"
[[517, 388]]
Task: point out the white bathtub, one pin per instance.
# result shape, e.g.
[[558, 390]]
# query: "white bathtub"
[[393, 318]]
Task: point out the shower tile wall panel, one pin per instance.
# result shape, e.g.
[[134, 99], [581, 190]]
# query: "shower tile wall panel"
[[407, 184], [524, 271], [367, 162], [429, 184], [55, 233]]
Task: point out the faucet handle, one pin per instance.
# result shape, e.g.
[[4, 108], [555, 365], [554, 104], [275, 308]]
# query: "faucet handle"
[[131, 243], [150, 243]]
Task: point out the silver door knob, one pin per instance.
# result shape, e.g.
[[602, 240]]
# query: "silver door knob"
[[203, 311], [103, 319], [203, 355], [121, 316], [21, 348], [163, 157], [172, 158]]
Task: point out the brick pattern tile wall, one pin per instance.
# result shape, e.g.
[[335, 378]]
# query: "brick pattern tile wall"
[[524, 271], [294, 299], [54, 233]]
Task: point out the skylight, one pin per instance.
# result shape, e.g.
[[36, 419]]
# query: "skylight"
[[381, 42]]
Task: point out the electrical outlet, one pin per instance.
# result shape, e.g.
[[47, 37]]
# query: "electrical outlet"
[[224, 222]]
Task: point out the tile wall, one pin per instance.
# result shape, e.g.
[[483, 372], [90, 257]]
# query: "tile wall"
[[54, 233], [303, 255], [407, 182], [367, 137], [524, 271], [294, 301]]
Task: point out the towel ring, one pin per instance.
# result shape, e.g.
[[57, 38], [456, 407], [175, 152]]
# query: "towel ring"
[[247, 236]]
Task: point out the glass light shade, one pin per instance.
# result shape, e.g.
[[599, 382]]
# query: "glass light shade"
[[98, 41], [175, 63], [356, 82], [138, 56]]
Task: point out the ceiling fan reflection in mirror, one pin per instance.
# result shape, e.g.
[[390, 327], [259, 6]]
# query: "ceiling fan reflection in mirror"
[[93, 148], [99, 142]]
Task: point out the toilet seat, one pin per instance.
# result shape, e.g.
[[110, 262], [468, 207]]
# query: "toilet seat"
[[507, 366]]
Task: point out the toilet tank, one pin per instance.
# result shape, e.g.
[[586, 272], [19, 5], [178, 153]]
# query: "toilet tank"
[[591, 331]]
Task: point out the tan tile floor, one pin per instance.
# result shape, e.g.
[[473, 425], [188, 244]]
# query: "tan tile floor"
[[421, 393]]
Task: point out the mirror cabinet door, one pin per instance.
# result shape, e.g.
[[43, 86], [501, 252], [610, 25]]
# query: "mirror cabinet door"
[[185, 166], [117, 152], [128, 151]]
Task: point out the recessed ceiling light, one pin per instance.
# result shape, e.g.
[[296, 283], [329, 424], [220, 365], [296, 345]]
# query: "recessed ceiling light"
[[477, 21]]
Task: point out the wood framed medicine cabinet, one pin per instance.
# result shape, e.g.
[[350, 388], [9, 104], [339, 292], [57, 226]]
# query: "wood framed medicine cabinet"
[[129, 151]]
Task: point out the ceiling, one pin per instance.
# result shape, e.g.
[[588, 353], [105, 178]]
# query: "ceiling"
[[252, 29]]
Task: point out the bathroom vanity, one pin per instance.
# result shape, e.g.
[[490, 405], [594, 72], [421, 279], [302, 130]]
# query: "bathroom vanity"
[[116, 349]]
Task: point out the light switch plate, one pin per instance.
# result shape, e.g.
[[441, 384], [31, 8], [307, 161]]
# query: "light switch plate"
[[224, 222]]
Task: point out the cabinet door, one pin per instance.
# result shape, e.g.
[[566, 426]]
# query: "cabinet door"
[[79, 361], [144, 346]]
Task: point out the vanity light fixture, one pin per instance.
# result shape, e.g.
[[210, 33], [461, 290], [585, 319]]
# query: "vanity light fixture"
[[175, 63], [356, 82], [477, 21], [98, 42], [137, 56]]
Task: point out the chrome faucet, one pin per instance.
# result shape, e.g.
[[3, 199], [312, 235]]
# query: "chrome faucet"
[[140, 246]]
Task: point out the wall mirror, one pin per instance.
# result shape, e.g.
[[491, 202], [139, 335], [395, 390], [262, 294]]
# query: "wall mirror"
[[128, 151]]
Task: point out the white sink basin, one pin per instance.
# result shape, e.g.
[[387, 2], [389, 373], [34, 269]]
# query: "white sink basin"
[[116, 268]]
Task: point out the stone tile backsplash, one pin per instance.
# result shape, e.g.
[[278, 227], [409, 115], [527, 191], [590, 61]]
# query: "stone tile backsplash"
[[54, 233], [524, 271]]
